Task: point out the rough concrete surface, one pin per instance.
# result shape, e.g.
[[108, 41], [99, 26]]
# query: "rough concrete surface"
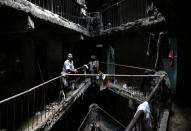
[[180, 118], [141, 23], [43, 14]]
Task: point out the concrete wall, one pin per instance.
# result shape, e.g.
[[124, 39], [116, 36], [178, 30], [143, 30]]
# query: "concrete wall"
[[183, 74], [131, 50]]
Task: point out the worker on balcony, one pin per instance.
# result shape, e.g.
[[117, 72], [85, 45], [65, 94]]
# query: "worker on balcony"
[[83, 12], [151, 9], [94, 67], [68, 68]]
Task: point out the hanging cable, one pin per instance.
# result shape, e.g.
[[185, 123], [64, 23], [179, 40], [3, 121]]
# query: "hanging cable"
[[127, 66], [112, 117], [84, 120], [116, 4]]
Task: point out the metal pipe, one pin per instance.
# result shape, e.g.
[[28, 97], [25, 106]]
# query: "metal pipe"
[[7, 120], [28, 111], [112, 117], [154, 90], [128, 66], [0, 118], [21, 114], [140, 112], [14, 116], [134, 120], [42, 84], [44, 98]]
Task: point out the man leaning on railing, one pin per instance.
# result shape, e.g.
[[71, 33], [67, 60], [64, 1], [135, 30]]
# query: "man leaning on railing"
[[68, 68]]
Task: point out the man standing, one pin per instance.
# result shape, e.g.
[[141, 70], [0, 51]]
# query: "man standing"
[[94, 67], [84, 13], [68, 68], [151, 9], [82, 3]]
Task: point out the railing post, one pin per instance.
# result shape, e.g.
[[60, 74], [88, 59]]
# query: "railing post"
[[51, 5], [134, 121], [0, 116]]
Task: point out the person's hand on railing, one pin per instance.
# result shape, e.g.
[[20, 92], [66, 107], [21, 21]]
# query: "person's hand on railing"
[[63, 75], [75, 71]]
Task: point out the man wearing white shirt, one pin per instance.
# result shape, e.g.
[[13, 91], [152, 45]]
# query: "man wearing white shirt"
[[68, 68]]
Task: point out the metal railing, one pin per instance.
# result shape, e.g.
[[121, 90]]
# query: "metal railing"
[[110, 16], [122, 12], [68, 9], [25, 110], [138, 115], [30, 109]]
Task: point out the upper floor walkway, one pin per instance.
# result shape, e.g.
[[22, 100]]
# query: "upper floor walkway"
[[123, 15]]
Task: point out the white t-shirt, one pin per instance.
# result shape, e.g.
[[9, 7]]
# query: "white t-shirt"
[[67, 65], [83, 11]]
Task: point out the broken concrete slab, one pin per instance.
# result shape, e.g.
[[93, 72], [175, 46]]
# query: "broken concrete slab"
[[43, 14], [129, 94], [144, 23]]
